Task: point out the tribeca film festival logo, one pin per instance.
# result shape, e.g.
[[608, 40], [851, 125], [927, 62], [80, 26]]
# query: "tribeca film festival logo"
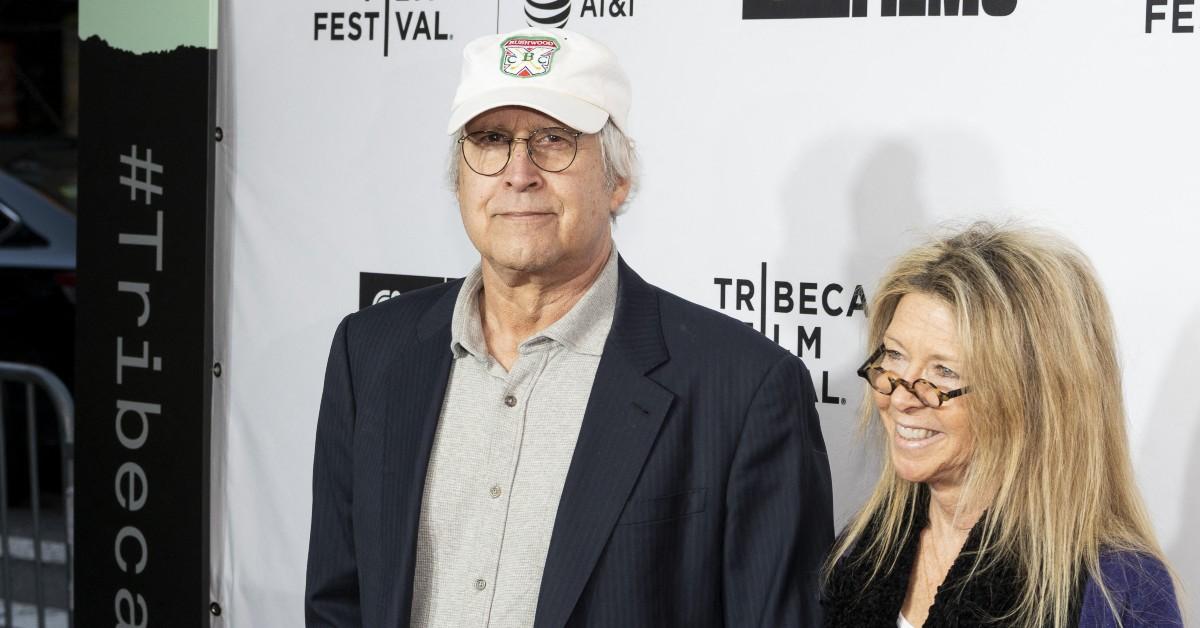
[[381, 22], [742, 298], [556, 13], [375, 288], [791, 9], [1180, 12]]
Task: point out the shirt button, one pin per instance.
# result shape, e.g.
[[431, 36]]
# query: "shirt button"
[[510, 401], [495, 492], [480, 584]]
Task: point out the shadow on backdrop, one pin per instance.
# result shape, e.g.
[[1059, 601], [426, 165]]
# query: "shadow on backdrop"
[[876, 185], [878, 182], [1168, 467]]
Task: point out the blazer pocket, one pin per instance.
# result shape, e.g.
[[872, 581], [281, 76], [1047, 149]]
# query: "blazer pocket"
[[663, 508]]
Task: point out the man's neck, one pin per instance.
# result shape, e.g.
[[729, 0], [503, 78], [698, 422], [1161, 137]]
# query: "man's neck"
[[515, 307]]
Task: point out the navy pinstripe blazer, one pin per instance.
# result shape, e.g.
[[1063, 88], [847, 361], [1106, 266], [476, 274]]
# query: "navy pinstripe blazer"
[[698, 496]]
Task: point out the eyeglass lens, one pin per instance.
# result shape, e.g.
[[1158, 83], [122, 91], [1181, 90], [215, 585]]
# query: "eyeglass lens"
[[886, 382], [488, 152]]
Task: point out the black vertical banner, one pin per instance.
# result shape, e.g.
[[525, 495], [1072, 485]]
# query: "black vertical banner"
[[145, 327]]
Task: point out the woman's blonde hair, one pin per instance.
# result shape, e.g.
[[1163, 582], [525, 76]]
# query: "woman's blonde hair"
[[1051, 460]]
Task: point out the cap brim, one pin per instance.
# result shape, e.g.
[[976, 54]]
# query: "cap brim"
[[571, 111]]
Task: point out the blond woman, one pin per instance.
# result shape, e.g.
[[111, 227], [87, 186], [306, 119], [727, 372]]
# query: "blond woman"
[[1006, 496]]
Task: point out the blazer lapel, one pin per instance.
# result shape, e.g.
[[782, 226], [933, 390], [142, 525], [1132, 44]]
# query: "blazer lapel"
[[622, 419], [417, 386]]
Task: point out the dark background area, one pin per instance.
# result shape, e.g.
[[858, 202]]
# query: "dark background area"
[[39, 93], [39, 105]]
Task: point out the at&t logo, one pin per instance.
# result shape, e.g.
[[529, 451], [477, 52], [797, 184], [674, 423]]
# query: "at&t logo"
[[552, 13], [556, 13]]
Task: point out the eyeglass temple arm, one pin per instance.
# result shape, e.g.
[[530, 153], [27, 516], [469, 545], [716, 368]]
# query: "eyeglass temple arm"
[[946, 396], [874, 356]]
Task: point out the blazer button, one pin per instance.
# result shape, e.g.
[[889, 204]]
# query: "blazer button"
[[480, 584], [510, 401], [495, 492]]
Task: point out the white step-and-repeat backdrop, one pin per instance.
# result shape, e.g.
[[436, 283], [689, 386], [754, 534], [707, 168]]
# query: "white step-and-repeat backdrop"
[[781, 156]]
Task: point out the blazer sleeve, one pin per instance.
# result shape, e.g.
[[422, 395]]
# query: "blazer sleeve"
[[779, 506], [1141, 588], [331, 596]]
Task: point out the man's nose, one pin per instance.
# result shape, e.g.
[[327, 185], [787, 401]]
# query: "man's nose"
[[522, 174]]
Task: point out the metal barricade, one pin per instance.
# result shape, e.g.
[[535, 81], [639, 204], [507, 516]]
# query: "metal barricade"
[[30, 379]]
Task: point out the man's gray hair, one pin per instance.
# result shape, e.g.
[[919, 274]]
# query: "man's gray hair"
[[617, 153]]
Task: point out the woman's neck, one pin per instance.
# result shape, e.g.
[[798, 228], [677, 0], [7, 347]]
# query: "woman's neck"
[[950, 519]]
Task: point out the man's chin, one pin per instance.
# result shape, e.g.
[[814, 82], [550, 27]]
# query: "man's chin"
[[524, 262]]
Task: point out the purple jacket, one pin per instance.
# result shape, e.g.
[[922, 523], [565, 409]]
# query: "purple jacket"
[[1140, 586]]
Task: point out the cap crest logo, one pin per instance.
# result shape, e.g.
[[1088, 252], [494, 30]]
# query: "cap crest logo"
[[526, 57]]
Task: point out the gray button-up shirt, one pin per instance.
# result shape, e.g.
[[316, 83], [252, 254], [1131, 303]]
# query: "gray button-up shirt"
[[500, 457]]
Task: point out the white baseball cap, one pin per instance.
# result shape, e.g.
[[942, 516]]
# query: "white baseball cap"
[[563, 74]]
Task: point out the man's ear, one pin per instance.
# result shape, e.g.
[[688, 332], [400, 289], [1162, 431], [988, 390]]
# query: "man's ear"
[[619, 194]]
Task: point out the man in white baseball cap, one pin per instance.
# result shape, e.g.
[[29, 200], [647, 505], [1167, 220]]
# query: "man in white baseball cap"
[[552, 441]]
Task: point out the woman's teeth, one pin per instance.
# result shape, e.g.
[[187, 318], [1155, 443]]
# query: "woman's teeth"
[[912, 433]]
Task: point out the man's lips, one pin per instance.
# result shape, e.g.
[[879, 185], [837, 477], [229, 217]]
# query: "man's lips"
[[524, 214]]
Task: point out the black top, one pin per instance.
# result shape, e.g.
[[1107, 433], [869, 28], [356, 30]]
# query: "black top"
[[850, 601]]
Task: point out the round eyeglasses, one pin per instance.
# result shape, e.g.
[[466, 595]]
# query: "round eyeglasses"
[[885, 381], [488, 152]]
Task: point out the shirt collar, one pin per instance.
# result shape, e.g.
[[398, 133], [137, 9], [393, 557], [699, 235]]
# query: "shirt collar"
[[583, 329]]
